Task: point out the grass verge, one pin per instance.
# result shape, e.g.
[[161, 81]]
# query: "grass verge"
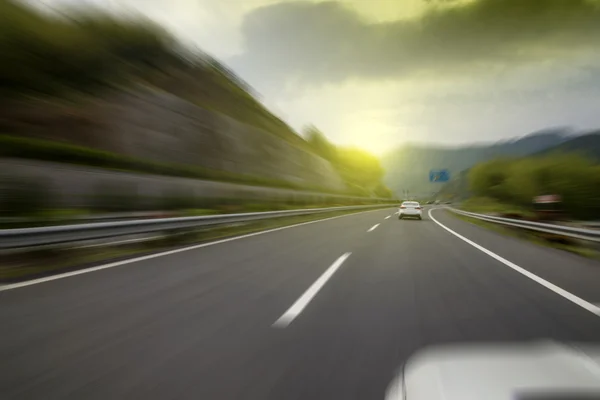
[[539, 238], [40, 263], [486, 205]]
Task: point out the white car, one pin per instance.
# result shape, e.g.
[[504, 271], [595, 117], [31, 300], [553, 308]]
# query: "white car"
[[410, 209], [501, 371]]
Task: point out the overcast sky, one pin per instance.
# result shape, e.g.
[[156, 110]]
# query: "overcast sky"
[[378, 73]]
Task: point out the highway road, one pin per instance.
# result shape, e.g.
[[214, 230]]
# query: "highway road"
[[327, 310]]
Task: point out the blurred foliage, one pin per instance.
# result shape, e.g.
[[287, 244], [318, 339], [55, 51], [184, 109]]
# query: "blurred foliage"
[[320, 144], [360, 170], [57, 55], [487, 205], [518, 180], [50, 55]]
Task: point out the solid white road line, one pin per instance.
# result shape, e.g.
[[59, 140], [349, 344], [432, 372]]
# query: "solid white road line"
[[373, 228], [164, 253], [567, 295], [303, 301]]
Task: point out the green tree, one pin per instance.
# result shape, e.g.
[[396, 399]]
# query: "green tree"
[[320, 144], [517, 181], [361, 170], [48, 56], [489, 179]]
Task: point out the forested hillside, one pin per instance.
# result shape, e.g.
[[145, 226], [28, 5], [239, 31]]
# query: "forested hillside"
[[83, 54], [127, 88], [359, 169]]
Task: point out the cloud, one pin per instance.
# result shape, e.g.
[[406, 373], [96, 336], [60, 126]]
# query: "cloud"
[[209, 24], [332, 42]]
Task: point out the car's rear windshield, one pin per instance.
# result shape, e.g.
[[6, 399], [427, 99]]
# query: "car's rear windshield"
[[410, 203]]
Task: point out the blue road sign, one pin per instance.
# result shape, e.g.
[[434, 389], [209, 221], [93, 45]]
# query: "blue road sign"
[[440, 175]]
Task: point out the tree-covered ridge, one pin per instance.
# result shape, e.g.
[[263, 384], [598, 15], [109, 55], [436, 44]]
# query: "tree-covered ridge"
[[518, 180], [359, 169], [64, 55]]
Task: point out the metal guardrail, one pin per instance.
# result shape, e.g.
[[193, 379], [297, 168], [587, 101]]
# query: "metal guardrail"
[[40, 236], [591, 224], [116, 216], [568, 231]]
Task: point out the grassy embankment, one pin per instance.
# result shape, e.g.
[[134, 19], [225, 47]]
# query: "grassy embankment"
[[488, 205], [539, 238], [507, 187]]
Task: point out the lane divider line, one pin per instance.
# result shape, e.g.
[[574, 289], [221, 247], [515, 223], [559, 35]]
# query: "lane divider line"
[[164, 253], [388, 217], [303, 301], [373, 228], [594, 309]]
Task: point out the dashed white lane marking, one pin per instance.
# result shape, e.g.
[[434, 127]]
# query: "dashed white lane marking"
[[164, 253], [303, 301], [373, 228], [388, 217], [560, 291]]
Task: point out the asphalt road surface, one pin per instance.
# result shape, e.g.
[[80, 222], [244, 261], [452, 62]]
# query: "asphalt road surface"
[[327, 310]]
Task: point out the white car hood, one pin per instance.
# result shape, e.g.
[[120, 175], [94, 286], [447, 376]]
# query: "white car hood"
[[519, 371]]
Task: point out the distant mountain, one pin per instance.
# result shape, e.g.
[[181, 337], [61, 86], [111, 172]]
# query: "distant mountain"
[[588, 144], [407, 168]]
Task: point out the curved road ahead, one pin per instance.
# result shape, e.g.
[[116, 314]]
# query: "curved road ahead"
[[326, 310]]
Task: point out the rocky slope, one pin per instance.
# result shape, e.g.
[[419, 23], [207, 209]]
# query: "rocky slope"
[[160, 126]]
